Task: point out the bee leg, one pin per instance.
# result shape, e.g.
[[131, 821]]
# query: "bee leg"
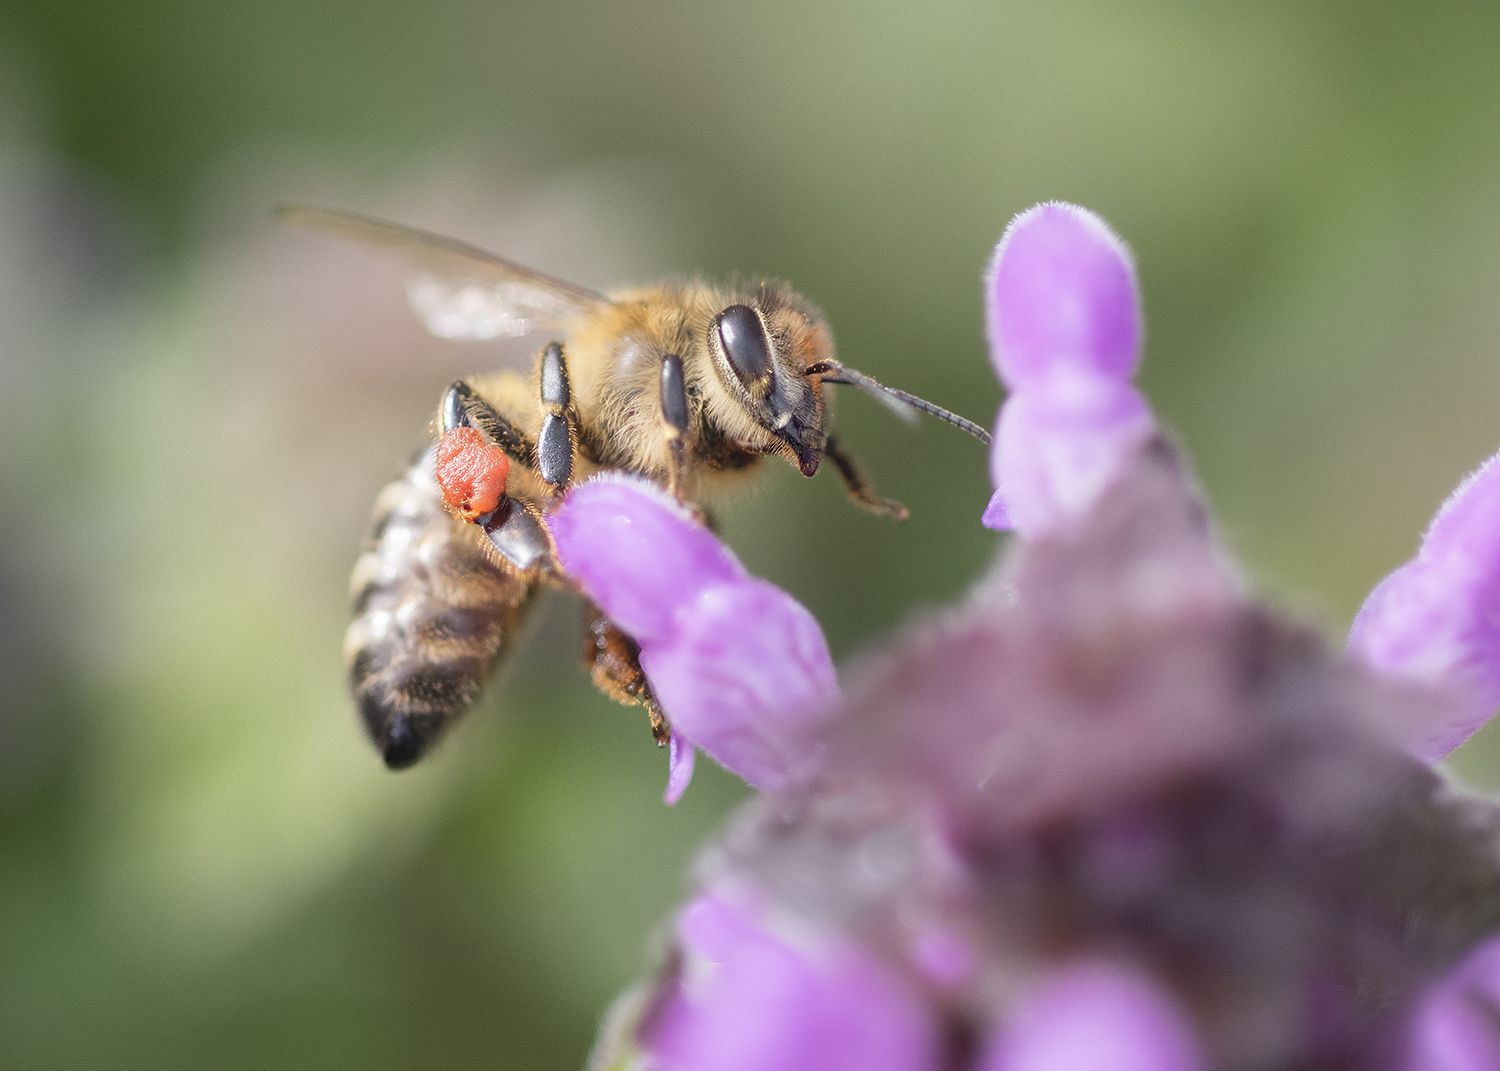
[[860, 491], [513, 530], [557, 442], [519, 539], [463, 408], [674, 419], [614, 663]]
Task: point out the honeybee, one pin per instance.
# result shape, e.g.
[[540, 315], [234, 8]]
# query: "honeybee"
[[687, 383]]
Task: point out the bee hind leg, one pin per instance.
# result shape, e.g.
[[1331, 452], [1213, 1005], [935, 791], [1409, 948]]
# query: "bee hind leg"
[[514, 535], [613, 660], [860, 491], [463, 408], [519, 539]]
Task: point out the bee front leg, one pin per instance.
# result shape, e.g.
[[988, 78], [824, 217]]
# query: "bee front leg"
[[860, 491], [557, 442], [674, 419], [614, 663]]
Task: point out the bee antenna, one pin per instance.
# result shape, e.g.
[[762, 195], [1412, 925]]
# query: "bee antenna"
[[893, 398]]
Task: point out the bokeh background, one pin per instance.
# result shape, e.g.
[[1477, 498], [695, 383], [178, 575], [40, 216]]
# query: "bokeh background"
[[201, 861]]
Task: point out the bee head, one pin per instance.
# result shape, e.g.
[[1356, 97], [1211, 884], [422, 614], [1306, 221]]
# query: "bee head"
[[760, 354], [774, 352]]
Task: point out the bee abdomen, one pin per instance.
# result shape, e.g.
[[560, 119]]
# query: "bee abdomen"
[[431, 615]]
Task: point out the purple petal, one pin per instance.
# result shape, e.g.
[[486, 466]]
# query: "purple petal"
[[637, 553], [1062, 298], [1457, 1025], [945, 957], [1065, 336], [746, 676], [997, 514], [681, 758], [1058, 448], [1434, 620], [740, 668], [747, 998], [1096, 1017]]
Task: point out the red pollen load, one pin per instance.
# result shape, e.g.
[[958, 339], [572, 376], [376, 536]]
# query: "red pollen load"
[[471, 472]]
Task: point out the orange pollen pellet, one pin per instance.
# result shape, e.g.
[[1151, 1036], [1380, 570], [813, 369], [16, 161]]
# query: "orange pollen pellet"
[[471, 472]]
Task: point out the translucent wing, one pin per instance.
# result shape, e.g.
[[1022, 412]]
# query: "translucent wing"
[[460, 291]]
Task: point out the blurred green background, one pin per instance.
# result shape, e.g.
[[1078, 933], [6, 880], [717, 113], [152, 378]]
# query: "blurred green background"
[[201, 861]]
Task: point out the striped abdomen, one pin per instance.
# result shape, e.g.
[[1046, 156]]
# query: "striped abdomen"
[[431, 614]]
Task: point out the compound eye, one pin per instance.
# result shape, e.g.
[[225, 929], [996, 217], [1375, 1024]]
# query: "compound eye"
[[745, 344]]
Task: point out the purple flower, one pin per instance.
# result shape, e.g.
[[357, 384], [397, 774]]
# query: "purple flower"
[[740, 668], [1112, 813], [746, 995], [1062, 299], [1436, 619], [1095, 1017], [1457, 1026], [1065, 336]]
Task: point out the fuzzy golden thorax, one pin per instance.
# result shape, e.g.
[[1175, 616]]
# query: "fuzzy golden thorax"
[[615, 356]]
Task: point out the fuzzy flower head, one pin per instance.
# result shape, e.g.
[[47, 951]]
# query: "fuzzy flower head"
[[1112, 813]]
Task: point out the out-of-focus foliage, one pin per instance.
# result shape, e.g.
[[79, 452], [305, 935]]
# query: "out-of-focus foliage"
[[200, 861]]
